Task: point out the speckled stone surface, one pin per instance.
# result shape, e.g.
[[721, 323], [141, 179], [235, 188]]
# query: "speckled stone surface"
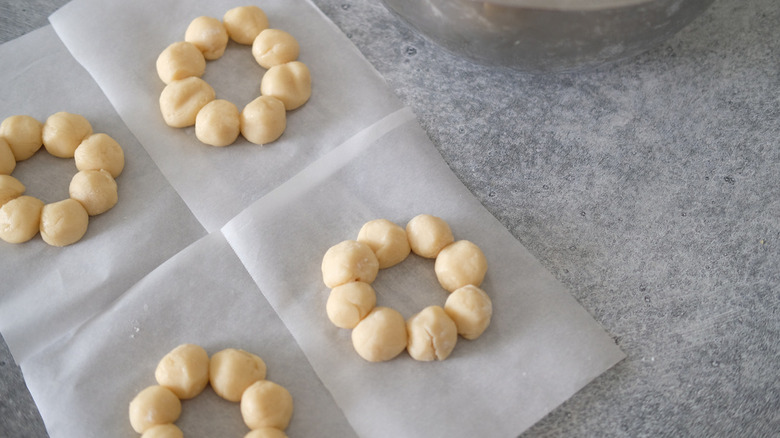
[[650, 188]]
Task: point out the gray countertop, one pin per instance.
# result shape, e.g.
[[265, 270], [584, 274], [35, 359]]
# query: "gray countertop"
[[650, 188]]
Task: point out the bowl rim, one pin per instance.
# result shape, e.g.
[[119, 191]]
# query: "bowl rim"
[[567, 5]]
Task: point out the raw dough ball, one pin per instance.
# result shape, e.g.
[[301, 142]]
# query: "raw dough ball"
[[380, 336], [63, 132], [7, 160], [209, 35], [232, 371], [100, 151], [163, 431], [218, 123], [266, 432], [23, 134], [432, 334], [387, 240], [428, 235], [244, 23], [263, 120], [471, 309], [20, 219], [349, 303], [153, 406], [349, 261], [184, 370], [459, 264], [181, 100], [180, 60], [266, 404], [64, 222], [273, 47], [10, 188], [290, 83], [96, 190]]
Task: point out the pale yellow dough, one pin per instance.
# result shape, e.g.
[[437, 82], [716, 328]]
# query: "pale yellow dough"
[[64, 222], [23, 134], [380, 336], [20, 219], [10, 188], [471, 309], [263, 120], [154, 406], [349, 303], [232, 371], [428, 234], [209, 35], [266, 404], [459, 264], [163, 431], [63, 132], [387, 240], [349, 261], [266, 432], [7, 160], [290, 83], [181, 100], [218, 123], [274, 47], [100, 151], [244, 23], [184, 370], [180, 60], [432, 334], [96, 190]]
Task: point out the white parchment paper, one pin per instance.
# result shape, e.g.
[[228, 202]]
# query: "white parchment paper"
[[203, 295], [119, 45], [541, 347], [46, 291]]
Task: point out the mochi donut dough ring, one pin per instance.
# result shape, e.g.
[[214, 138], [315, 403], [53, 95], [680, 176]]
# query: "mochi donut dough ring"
[[188, 100], [380, 333], [93, 190]]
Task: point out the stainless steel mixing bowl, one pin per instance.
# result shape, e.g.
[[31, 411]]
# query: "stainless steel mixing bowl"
[[543, 36]]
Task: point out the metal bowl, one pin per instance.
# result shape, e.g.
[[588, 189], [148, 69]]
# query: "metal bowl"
[[542, 36]]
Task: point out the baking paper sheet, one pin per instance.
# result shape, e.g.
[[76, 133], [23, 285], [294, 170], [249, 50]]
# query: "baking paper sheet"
[[46, 291], [202, 296], [119, 44], [87, 323], [540, 348]]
